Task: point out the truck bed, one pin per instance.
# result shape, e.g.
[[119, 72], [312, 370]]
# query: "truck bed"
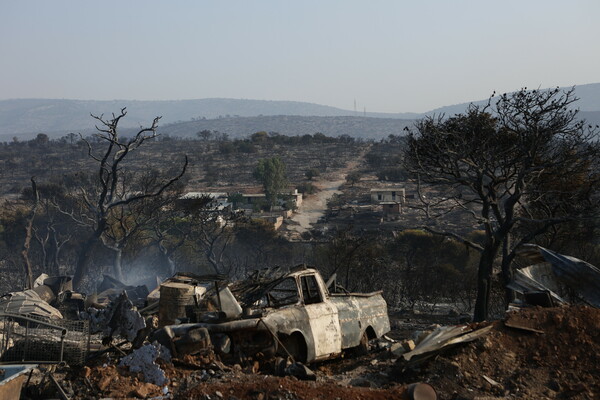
[[357, 313]]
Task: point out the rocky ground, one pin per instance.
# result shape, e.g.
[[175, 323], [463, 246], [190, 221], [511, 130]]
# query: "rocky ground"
[[554, 354]]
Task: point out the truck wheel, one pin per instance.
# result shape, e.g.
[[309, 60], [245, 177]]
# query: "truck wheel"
[[295, 345]]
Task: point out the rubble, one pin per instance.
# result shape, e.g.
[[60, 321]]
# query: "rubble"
[[552, 272], [442, 337], [120, 318], [28, 302], [300, 371], [224, 349], [50, 298], [503, 363], [561, 363], [515, 321], [193, 342], [110, 289], [144, 360], [399, 349]]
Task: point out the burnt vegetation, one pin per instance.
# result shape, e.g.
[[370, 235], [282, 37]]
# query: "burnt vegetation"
[[108, 203], [521, 168], [478, 185]]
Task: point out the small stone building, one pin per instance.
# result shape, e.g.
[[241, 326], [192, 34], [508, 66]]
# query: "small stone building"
[[381, 195]]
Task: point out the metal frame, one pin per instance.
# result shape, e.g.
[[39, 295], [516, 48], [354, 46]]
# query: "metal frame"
[[28, 338]]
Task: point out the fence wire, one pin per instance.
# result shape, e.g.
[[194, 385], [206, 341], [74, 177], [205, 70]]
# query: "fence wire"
[[27, 338]]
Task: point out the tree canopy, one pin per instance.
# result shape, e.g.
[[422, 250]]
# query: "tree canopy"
[[271, 173], [517, 167]]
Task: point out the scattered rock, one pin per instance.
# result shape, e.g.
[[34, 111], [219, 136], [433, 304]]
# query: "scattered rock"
[[144, 390]]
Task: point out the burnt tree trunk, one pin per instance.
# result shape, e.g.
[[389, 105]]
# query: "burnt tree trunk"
[[507, 272], [83, 260], [28, 234], [118, 264], [484, 281]]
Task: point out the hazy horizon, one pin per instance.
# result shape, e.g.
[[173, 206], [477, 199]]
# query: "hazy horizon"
[[385, 56]]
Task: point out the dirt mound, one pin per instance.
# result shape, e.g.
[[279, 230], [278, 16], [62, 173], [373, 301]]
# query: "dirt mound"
[[555, 353], [207, 380], [270, 387]]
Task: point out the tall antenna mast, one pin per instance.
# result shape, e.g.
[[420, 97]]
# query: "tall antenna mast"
[[354, 106]]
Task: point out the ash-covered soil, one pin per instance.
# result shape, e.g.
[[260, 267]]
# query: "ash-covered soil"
[[563, 362]]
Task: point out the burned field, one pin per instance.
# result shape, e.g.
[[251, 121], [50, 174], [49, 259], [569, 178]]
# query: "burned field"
[[290, 333]]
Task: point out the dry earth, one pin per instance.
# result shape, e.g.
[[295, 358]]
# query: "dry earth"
[[563, 362]]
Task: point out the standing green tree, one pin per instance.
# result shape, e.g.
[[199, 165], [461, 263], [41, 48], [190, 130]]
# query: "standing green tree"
[[271, 173], [493, 161]]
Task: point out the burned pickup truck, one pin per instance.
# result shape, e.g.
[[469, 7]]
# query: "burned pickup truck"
[[290, 314]]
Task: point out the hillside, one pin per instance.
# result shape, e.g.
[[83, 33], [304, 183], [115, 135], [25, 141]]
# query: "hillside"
[[589, 101], [27, 117], [363, 127]]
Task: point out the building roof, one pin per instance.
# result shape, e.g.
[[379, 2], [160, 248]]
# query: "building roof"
[[388, 190], [198, 195], [254, 195]]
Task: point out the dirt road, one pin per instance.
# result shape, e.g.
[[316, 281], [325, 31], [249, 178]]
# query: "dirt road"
[[314, 206]]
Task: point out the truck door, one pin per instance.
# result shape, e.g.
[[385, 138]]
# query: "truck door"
[[323, 318]]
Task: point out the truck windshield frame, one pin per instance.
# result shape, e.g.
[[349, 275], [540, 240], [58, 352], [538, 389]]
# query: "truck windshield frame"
[[310, 289], [285, 293]]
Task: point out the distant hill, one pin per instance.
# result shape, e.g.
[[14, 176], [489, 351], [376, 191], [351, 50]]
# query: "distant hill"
[[589, 100], [291, 125], [24, 118], [27, 117], [591, 117]]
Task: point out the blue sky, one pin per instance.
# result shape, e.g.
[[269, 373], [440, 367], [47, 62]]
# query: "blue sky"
[[389, 56]]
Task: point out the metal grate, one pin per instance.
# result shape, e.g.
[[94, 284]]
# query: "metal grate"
[[27, 338]]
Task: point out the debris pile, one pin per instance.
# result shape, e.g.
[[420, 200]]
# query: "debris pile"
[[144, 360], [285, 335], [534, 353], [557, 276], [119, 318]]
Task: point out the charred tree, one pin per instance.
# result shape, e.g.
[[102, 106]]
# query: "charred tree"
[[108, 191], [505, 166], [133, 221], [28, 235]]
